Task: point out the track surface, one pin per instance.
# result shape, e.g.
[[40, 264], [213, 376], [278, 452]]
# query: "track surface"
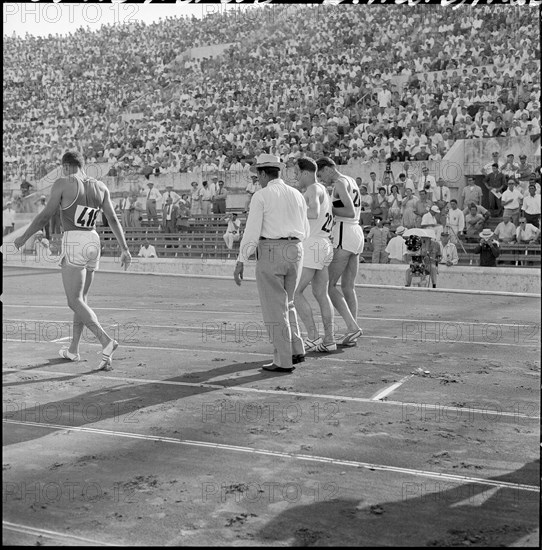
[[426, 433]]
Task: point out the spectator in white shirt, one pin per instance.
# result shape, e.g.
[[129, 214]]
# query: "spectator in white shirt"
[[8, 216], [526, 233], [442, 194], [506, 231], [170, 194], [455, 222], [153, 195], [448, 250], [511, 200], [396, 248], [233, 233], [427, 182], [531, 206], [252, 187], [147, 250], [373, 185]]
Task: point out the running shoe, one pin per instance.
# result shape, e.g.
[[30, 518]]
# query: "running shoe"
[[349, 339], [325, 348], [311, 345]]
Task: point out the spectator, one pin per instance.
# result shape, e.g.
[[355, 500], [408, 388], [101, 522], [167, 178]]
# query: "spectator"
[[455, 222], [495, 183], [427, 183], [378, 236], [396, 248], [147, 250], [219, 201], [366, 203], [395, 201], [41, 245], [233, 232], [448, 250], [373, 185], [474, 222], [169, 216], [530, 207], [510, 168], [488, 248], [169, 193], [406, 183], [511, 200], [206, 199], [409, 210], [124, 209], [442, 194], [183, 215], [471, 193], [195, 200], [381, 205], [153, 196], [526, 233], [429, 222], [524, 171], [252, 187], [506, 231], [8, 216]]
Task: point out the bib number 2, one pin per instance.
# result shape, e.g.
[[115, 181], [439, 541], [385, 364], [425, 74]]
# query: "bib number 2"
[[85, 216], [328, 223]]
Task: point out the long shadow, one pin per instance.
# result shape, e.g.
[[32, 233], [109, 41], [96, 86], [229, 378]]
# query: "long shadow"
[[113, 402], [426, 513]]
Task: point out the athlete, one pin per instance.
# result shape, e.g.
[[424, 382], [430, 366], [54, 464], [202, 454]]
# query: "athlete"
[[348, 243], [80, 199], [317, 255]]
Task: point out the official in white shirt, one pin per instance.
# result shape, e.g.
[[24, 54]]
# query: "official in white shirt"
[[448, 250], [427, 182], [276, 226], [442, 194], [531, 206], [124, 209], [396, 248], [511, 200], [153, 195]]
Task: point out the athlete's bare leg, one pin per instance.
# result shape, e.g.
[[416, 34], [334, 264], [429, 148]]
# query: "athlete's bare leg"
[[78, 325], [320, 283], [348, 281], [73, 279], [338, 266], [302, 304]]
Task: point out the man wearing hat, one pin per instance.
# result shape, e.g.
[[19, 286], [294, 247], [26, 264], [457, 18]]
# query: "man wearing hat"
[[488, 248], [276, 226], [153, 195], [8, 215], [252, 187], [429, 222], [396, 248]]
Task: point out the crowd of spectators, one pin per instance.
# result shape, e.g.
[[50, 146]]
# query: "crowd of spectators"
[[354, 84]]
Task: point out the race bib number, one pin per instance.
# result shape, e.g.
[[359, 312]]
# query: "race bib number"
[[328, 224], [85, 216]]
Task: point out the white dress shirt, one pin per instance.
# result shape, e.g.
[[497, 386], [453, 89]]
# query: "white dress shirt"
[[174, 196], [528, 234], [449, 254], [445, 194], [147, 252], [456, 220], [276, 211], [153, 194], [515, 196], [396, 248], [427, 179], [531, 205]]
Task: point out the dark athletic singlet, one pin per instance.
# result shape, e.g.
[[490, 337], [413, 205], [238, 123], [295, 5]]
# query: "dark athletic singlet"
[[82, 213]]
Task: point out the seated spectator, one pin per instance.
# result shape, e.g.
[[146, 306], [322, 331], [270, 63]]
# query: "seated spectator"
[[396, 248], [448, 250], [511, 200], [474, 222], [530, 207], [479, 209], [147, 250], [488, 248], [233, 232], [506, 231], [526, 233]]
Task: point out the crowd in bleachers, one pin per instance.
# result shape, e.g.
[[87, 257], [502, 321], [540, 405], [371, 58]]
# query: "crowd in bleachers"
[[354, 84]]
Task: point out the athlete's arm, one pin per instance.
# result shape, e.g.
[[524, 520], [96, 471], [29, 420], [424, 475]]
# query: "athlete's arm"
[[53, 204], [109, 212], [313, 203], [341, 192]]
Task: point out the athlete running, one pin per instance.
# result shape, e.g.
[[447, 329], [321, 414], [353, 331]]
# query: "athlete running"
[[80, 199]]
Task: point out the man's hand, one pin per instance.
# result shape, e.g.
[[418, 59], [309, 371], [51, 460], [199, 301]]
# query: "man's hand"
[[449, 263], [125, 259], [19, 242], [238, 273]]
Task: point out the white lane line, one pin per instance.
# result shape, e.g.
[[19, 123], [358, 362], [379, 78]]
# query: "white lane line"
[[408, 407], [363, 318], [309, 458], [38, 532], [386, 391]]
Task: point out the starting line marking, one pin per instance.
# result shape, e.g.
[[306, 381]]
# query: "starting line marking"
[[386, 391], [426, 406], [279, 454]]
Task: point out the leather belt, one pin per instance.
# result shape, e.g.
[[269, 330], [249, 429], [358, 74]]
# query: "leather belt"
[[279, 239]]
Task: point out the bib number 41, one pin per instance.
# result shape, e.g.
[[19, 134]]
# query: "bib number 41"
[[85, 216]]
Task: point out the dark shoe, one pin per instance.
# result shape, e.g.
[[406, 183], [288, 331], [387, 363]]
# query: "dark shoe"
[[298, 359], [275, 368]]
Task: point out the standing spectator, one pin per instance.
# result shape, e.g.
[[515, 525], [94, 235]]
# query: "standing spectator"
[[381, 205], [525, 170], [276, 226], [136, 210], [252, 187], [488, 248], [366, 201], [442, 194], [488, 168], [455, 222], [395, 201], [511, 200], [495, 183], [219, 203], [169, 216], [506, 231], [448, 250], [233, 232], [124, 209], [429, 222], [409, 210], [374, 184], [147, 250], [378, 237], [531, 206], [396, 248], [474, 222], [153, 195], [526, 233], [170, 194], [510, 168], [427, 183], [206, 199], [184, 214], [8, 215], [471, 193], [195, 200]]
